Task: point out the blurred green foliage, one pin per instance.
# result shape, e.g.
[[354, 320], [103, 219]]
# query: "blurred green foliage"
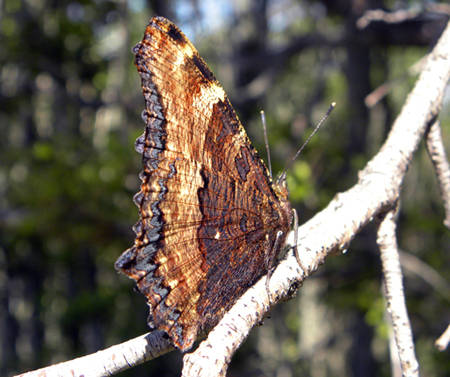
[[70, 103]]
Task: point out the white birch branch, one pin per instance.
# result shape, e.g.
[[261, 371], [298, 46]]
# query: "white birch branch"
[[395, 297], [110, 361], [442, 343], [436, 151], [331, 230]]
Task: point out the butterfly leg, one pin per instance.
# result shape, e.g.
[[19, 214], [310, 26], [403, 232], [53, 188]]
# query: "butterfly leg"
[[269, 264], [295, 247]]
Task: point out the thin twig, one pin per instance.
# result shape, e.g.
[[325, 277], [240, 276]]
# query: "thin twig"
[[425, 272], [395, 297], [436, 151], [384, 89], [396, 367], [442, 343], [396, 17], [401, 15]]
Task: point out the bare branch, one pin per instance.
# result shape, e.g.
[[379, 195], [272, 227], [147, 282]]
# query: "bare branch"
[[400, 15], [436, 150], [395, 297], [442, 343], [425, 272], [384, 89], [389, 17], [112, 360], [396, 367], [331, 230]]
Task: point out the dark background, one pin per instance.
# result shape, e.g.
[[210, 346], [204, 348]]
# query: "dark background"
[[70, 104]]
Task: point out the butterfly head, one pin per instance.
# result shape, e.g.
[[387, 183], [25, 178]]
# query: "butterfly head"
[[281, 181], [280, 188]]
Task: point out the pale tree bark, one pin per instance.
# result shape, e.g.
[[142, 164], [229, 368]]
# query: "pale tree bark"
[[443, 341], [395, 297], [374, 196], [435, 147]]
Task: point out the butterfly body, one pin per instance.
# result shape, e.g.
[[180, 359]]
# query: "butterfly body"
[[211, 219]]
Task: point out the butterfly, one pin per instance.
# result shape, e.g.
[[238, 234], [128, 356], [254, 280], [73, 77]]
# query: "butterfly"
[[212, 221]]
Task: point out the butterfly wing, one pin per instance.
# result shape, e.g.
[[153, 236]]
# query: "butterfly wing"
[[209, 213]]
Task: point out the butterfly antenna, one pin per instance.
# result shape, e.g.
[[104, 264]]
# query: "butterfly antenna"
[[263, 119], [330, 109]]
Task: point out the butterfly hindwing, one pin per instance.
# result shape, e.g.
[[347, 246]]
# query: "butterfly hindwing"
[[209, 213]]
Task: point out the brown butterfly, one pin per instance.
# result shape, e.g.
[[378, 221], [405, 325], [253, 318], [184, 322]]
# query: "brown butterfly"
[[211, 219]]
